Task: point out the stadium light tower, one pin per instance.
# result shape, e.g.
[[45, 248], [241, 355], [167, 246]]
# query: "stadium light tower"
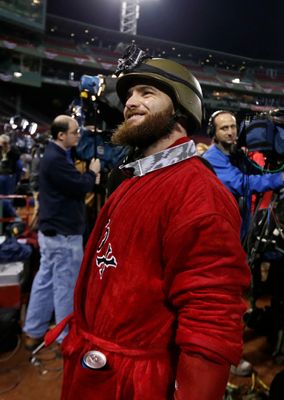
[[129, 16]]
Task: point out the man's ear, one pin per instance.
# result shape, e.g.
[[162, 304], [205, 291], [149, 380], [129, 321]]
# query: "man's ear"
[[180, 126], [60, 135]]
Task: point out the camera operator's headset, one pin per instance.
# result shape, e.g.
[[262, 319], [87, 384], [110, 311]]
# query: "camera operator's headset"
[[211, 126]]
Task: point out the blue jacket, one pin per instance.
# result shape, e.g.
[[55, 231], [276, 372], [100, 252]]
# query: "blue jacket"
[[240, 184], [62, 190]]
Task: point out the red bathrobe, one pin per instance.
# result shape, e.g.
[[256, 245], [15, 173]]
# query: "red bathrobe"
[[163, 272]]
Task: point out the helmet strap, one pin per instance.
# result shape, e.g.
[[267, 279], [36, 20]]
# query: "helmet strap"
[[181, 118]]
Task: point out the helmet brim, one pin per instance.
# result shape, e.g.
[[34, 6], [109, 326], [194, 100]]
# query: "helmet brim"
[[127, 81]]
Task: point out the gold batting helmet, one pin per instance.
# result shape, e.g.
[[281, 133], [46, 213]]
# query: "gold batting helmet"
[[169, 76]]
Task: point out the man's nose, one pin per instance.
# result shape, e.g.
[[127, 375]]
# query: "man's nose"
[[132, 100]]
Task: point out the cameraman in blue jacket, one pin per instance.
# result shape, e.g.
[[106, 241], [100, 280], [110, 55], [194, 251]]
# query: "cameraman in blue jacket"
[[222, 128]]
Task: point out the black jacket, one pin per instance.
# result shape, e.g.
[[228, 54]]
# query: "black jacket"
[[62, 190]]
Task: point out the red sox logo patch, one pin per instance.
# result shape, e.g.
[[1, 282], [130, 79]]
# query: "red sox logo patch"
[[105, 258]]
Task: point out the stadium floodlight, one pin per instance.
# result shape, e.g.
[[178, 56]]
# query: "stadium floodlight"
[[129, 16]]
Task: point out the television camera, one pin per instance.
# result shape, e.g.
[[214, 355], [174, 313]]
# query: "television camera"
[[22, 133], [264, 134], [98, 112], [29, 143]]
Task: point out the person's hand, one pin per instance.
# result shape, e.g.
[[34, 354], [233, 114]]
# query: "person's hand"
[[95, 166], [198, 378]]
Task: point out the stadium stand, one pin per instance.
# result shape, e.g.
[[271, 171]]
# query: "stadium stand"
[[43, 52]]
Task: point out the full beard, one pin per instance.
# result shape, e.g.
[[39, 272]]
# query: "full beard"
[[141, 136]]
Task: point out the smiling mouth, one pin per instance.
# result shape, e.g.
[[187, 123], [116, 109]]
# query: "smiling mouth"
[[135, 117]]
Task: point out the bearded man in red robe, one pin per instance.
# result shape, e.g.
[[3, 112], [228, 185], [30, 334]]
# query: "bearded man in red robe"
[[159, 299]]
